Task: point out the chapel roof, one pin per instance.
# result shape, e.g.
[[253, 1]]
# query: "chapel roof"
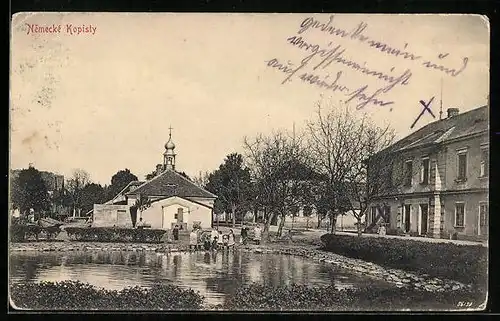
[[170, 183]]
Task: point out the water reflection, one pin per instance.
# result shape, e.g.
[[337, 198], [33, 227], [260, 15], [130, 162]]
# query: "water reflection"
[[215, 275]]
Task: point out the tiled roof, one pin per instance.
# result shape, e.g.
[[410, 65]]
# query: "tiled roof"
[[441, 131], [170, 183]]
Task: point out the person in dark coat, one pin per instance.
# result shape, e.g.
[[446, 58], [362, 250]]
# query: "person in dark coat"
[[244, 235], [175, 232]]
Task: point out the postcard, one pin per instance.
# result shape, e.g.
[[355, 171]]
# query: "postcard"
[[248, 162]]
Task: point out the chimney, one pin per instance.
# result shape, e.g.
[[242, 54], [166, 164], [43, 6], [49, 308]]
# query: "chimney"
[[159, 169], [452, 112]]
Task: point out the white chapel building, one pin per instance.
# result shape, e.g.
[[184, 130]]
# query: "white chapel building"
[[174, 200]]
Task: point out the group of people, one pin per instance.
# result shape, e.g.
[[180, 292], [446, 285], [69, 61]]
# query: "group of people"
[[215, 239], [211, 240], [257, 235]]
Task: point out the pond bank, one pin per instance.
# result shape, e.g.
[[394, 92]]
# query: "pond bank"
[[402, 279]]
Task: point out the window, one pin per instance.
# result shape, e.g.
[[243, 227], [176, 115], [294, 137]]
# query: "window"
[[462, 165], [408, 173], [424, 171], [176, 216], [483, 214], [459, 214], [485, 157]]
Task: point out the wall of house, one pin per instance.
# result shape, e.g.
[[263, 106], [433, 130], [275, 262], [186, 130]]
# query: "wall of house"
[[473, 146], [111, 215], [131, 200], [201, 214], [416, 156], [471, 220], [397, 212], [191, 212]]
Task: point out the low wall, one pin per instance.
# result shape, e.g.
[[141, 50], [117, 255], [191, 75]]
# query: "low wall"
[[111, 215]]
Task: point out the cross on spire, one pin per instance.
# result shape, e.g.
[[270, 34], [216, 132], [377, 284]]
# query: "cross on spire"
[[170, 131]]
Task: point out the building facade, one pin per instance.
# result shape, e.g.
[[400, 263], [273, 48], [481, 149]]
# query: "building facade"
[[436, 183]]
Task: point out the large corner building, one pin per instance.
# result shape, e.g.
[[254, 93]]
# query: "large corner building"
[[436, 179]]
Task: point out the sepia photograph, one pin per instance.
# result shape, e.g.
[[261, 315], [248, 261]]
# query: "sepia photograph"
[[248, 162]]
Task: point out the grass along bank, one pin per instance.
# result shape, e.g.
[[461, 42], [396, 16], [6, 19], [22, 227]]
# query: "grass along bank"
[[308, 298], [70, 295], [73, 295], [464, 263]]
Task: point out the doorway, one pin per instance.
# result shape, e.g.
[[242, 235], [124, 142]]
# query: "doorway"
[[407, 217], [424, 218]]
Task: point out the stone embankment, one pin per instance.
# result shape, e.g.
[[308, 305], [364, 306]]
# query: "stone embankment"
[[400, 278]]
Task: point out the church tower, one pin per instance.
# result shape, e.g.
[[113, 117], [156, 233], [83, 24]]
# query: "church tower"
[[169, 155]]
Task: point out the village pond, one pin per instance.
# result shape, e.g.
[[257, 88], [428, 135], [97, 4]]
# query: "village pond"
[[215, 275]]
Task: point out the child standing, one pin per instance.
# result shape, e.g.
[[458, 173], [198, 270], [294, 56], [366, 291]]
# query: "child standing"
[[193, 239], [214, 235], [257, 235], [244, 235], [220, 240], [225, 240], [230, 241]]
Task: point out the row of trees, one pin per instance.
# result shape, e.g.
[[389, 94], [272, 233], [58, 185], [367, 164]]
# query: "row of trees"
[[323, 167], [79, 194]]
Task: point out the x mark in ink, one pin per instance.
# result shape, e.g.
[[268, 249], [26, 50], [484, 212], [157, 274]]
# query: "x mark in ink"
[[426, 108]]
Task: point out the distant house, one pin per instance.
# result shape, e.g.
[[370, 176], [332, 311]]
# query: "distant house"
[[436, 184], [173, 200]]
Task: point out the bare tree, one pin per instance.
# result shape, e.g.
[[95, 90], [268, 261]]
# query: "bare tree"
[[201, 179], [368, 181], [75, 185], [341, 141], [277, 167]]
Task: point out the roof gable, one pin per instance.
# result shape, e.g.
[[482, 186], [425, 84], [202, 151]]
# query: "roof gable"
[[177, 199], [129, 187], [170, 183]]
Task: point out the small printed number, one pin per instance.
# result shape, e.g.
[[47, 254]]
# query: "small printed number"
[[465, 304]]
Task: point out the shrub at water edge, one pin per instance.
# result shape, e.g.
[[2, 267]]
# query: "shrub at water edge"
[[302, 297], [22, 232], [74, 295], [114, 234], [464, 263]]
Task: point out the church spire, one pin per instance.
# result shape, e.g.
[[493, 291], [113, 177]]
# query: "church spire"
[[169, 155]]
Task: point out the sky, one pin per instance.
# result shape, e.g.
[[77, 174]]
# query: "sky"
[[103, 100]]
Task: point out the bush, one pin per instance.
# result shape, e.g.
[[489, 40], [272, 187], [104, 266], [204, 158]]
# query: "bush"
[[303, 297], [395, 231], [464, 263], [74, 295], [113, 234], [17, 232], [21, 232]]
